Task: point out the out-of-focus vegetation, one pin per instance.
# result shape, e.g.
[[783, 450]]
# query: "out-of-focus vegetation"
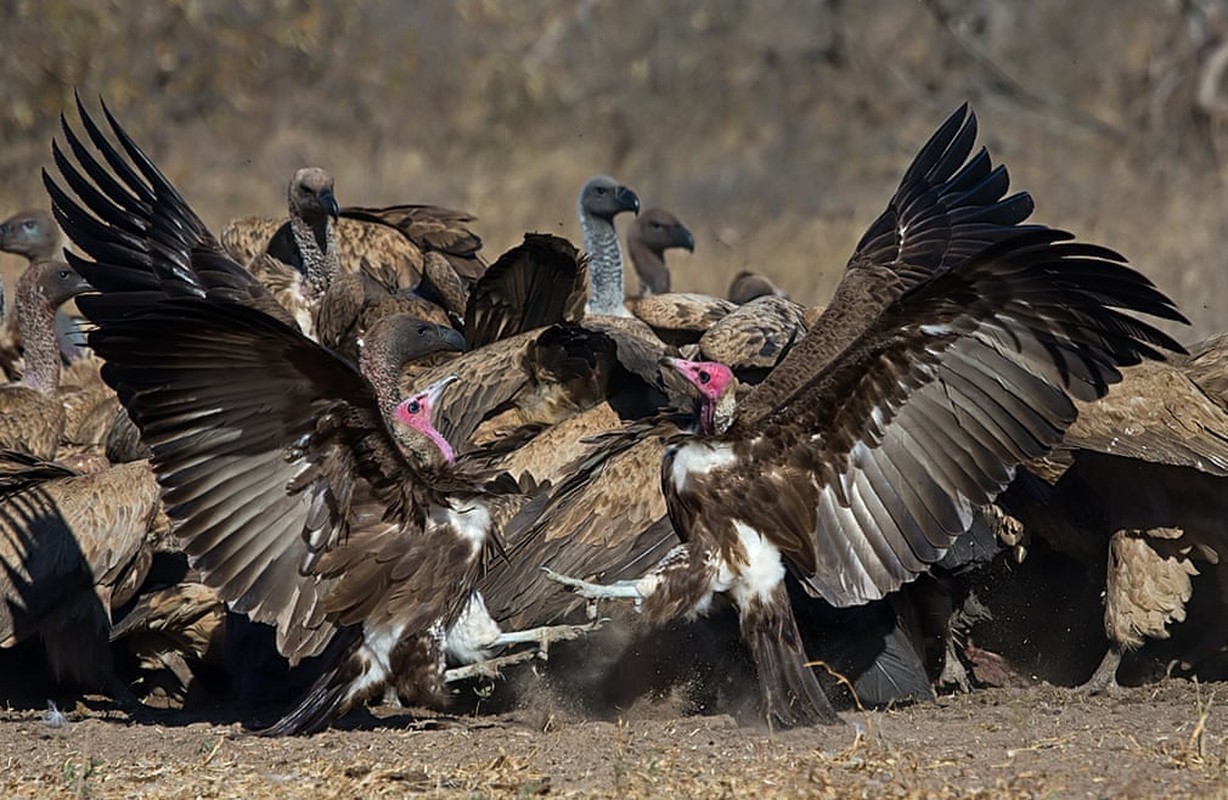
[[776, 129]]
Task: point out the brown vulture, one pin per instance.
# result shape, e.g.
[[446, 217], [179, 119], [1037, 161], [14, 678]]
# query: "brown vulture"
[[310, 498], [951, 352]]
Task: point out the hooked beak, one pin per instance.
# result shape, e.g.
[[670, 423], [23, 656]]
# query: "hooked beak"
[[435, 390], [684, 237], [627, 200], [328, 201], [451, 339]]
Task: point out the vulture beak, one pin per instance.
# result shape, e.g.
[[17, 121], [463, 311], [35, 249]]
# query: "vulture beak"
[[328, 202], [435, 390], [451, 339], [627, 200], [684, 238]]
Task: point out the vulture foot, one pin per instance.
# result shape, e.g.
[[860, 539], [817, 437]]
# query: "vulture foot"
[[1104, 679], [594, 592], [542, 637], [953, 675]]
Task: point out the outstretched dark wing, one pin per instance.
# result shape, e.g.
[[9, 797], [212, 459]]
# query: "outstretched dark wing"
[[866, 474], [270, 450], [948, 208], [539, 282]]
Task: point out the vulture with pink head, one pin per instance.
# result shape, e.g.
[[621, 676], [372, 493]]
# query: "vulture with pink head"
[[308, 497], [952, 351]]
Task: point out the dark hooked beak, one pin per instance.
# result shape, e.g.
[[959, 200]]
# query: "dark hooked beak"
[[627, 200], [684, 238], [328, 202], [451, 339]]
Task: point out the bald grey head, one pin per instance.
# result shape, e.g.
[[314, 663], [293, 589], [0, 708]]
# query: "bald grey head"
[[652, 233], [31, 233], [601, 199]]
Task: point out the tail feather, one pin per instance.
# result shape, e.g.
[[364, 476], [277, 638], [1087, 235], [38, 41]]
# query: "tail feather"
[[327, 699], [792, 696]]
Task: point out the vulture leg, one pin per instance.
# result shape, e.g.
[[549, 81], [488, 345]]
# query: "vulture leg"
[[1104, 679], [594, 592], [953, 672], [543, 637]]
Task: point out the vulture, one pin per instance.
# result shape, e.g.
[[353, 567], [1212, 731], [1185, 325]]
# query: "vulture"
[[1137, 491], [34, 235], [74, 548], [653, 232], [396, 241], [309, 498], [300, 262], [601, 199], [746, 286], [951, 352], [32, 415]]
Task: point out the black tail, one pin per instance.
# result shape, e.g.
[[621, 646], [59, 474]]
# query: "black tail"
[[792, 697], [325, 701]]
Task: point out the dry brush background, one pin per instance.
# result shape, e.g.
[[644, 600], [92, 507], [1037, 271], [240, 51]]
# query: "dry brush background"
[[776, 128]]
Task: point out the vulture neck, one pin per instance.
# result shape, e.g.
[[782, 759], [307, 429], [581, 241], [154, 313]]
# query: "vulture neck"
[[650, 266], [605, 268], [36, 322], [380, 361], [316, 239], [715, 417]]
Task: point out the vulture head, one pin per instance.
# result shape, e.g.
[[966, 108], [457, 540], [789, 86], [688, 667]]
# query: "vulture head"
[[311, 195], [32, 234], [717, 388], [51, 283], [746, 286], [652, 233], [414, 429], [605, 198]]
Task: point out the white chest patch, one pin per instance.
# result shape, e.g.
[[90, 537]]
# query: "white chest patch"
[[377, 646], [471, 521], [470, 637], [763, 571], [699, 458]]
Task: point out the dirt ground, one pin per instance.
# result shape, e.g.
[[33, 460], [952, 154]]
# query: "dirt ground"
[[1163, 740]]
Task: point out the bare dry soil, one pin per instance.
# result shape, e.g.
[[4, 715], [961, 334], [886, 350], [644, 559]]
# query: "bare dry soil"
[[1166, 740]]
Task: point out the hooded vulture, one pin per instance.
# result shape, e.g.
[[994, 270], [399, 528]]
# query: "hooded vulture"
[[310, 498], [951, 352]]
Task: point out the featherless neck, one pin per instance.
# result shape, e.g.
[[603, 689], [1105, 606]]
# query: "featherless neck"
[[317, 246], [380, 364], [650, 267], [605, 269], [36, 322]]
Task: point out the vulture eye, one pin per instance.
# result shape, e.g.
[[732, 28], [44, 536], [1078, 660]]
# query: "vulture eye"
[[705, 376], [28, 224], [414, 407], [600, 190], [423, 330], [63, 274]]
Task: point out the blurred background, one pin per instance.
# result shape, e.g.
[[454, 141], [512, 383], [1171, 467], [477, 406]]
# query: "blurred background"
[[776, 129]]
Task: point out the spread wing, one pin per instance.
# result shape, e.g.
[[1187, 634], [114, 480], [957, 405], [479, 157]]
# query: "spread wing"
[[269, 449], [948, 207], [869, 471]]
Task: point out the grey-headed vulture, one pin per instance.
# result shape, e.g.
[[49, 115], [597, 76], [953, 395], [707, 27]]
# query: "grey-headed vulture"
[[309, 498], [951, 352]]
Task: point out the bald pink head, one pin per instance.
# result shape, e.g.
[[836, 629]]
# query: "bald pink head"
[[416, 412], [711, 379]]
